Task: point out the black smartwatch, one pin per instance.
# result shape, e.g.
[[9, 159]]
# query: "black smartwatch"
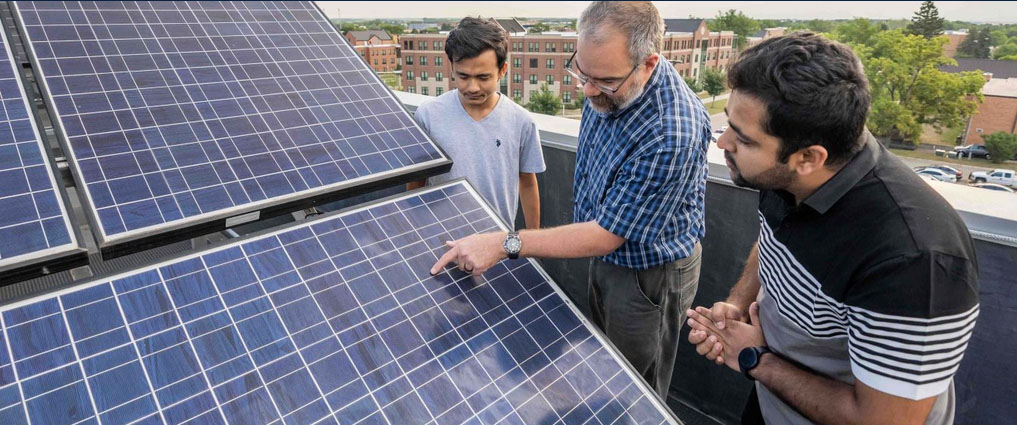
[[748, 359], [512, 245]]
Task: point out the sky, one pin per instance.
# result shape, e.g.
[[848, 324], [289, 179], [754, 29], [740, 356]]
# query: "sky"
[[974, 11]]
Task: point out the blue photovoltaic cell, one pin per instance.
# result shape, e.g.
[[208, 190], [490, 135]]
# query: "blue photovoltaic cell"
[[33, 220], [332, 322], [177, 111]]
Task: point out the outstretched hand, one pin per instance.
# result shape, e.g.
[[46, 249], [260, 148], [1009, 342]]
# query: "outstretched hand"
[[473, 254]]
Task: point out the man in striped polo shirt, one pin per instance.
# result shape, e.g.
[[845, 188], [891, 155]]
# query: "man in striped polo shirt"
[[858, 300]]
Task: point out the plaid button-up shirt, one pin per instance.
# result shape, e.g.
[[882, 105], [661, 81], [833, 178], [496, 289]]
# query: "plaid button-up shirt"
[[641, 172]]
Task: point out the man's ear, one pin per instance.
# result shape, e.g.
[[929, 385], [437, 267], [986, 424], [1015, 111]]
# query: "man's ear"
[[503, 70], [651, 61], [809, 160]]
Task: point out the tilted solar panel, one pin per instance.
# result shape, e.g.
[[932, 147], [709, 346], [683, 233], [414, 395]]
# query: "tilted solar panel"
[[34, 225], [335, 321], [178, 114]]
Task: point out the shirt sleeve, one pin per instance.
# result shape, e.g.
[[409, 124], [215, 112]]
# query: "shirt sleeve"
[[531, 157], [909, 321], [648, 189]]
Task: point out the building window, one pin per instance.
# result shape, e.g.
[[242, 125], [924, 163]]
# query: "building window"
[[434, 45], [438, 77], [533, 47], [423, 76], [438, 91], [437, 60], [550, 64], [409, 60], [409, 75], [533, 78], [550, 47], [566, 97], [411, 89], [423, 91], [517, 78], [375, 61], [421, 45], [517, 94], [569, 47], [567, 80], [517, 62], [384, 61], [549, 79], [533, 62], [423, 61]]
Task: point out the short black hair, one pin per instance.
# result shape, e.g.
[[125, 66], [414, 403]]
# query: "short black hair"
[[814, 90], [473, 36]]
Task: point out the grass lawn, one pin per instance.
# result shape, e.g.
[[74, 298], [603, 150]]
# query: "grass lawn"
[[948, 138], [715, 107], [391, 80], [929, 155]]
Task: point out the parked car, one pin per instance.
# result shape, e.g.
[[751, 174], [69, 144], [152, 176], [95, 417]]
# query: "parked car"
[[998, 176], [716, 134], [938, 174], [972, 151], [994, 186], [944, 167]]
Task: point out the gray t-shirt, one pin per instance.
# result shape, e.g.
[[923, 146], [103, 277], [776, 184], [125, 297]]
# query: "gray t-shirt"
[[490, 153]]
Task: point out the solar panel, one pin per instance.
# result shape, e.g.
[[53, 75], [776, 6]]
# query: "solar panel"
[[178, 114], [332, 321], [34, 225]]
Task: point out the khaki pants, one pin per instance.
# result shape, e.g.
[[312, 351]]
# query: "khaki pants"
[[643, 311]]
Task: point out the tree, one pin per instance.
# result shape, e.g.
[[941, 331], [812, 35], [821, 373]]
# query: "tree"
[[926, 21], [976, 44], [580, 99], [1008, 58], [856, 32], [1005, 50], [394, 29], [693, 84], [908, 89], [1001, 145], [734, 20], [544, 102], [539, 27], [713, 83]]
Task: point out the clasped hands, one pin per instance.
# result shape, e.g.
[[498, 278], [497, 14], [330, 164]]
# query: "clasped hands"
[[721, 332]]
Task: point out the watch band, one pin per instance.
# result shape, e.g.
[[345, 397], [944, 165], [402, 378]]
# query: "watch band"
[[749, 358]]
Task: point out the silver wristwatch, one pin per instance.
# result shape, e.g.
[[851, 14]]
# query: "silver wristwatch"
[[512, 245]]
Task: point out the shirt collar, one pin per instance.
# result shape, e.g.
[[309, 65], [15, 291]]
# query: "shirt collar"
[[830, 192]]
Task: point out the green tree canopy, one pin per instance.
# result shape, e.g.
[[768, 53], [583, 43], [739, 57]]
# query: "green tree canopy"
[[544, 102], [976, 44], [693, 84], [736, 21], [539, 27], [1001, 145], [1005, 50], [926, 21], [713, 83], [909, 90], [856, 32], [580, 99]]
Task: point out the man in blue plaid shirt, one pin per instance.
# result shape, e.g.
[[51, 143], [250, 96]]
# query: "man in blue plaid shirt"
[[639, 190]]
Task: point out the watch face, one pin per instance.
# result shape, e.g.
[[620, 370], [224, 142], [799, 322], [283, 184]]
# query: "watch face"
[[513, 245], [747, 358]]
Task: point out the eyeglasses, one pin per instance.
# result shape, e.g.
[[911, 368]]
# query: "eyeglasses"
[[584, 80]]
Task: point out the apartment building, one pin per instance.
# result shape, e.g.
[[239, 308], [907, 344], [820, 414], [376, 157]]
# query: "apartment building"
[[378, 48]]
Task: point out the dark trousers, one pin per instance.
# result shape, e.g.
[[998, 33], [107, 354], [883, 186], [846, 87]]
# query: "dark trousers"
[[643, 311]]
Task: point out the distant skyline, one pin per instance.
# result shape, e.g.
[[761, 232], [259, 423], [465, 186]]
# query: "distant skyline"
[[975, 11]]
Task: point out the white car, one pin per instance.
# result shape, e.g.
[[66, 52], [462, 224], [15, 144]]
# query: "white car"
[[938, 174], [993, 186], [998, 176]]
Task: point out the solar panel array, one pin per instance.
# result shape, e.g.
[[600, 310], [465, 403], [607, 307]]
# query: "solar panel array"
[[332, 321], [33, 218], [176, 113]]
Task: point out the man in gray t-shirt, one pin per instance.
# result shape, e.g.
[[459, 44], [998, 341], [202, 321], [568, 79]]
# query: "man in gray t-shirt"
[[492, 141]]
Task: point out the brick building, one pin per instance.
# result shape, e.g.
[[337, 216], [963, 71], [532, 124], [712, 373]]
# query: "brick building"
[[378, 48], [539, 59], [764, 34], [956, 38], [998, 110]]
